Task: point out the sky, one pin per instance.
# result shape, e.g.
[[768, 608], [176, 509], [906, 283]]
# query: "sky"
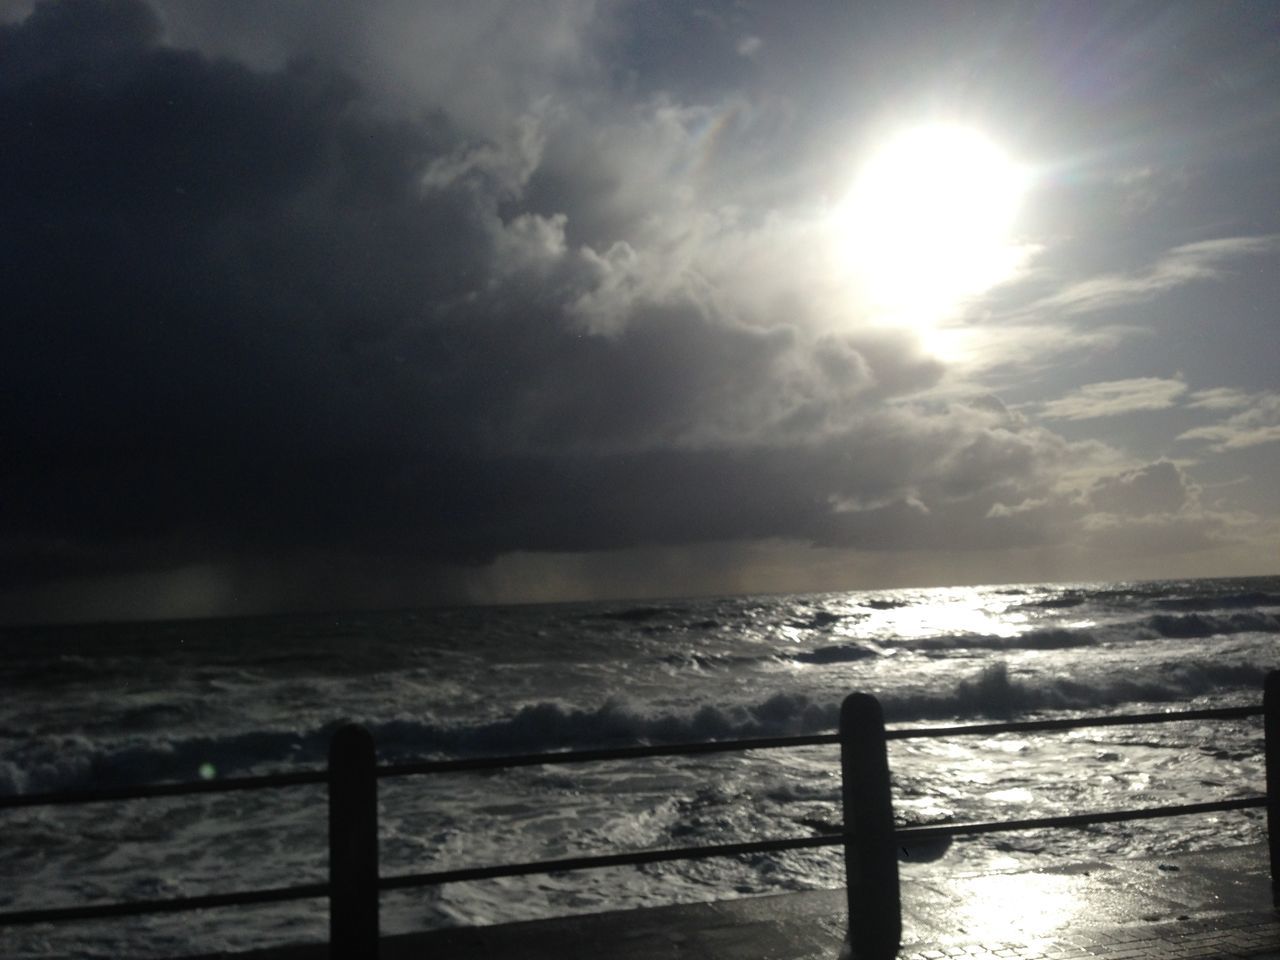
[[334, 304]]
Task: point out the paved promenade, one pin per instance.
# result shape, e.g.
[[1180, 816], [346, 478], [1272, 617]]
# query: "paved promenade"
[[1211, 904]]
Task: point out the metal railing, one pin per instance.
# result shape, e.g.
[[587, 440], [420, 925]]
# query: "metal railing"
[[871, 865], [868, 834]]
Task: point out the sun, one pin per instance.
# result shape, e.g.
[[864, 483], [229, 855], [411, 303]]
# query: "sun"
[[928, 221]]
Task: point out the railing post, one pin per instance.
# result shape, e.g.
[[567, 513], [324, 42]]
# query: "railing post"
[[1271, 729], [870, 850], [353, 845]]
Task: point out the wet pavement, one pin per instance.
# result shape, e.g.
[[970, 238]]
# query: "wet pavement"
[[1208, 904]]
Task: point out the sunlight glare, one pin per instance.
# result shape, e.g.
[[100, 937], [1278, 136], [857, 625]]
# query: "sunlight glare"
[[1046, 904], [927, 223]]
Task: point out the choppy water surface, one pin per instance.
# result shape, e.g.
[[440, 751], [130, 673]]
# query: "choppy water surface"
[[124, 704]]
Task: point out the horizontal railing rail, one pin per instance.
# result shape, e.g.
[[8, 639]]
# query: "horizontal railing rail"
[[934, 831], [362, 815], [645, 751], [1072, 723]]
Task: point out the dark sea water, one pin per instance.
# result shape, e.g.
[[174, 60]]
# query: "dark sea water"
[[93, 706]]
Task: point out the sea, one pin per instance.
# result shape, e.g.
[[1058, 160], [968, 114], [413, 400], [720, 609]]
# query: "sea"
[[107, 705]]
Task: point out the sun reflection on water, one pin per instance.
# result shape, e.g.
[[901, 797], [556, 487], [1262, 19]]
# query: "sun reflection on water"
[[952, 611]]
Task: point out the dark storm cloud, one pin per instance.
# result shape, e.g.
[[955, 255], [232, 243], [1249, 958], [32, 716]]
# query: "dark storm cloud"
[[246, 315], [192, 250]]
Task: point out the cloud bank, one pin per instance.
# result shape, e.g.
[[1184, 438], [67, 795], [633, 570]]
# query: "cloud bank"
[[292, 312]]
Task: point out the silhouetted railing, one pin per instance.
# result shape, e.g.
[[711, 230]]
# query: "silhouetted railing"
[[871, 866], [868, 834]]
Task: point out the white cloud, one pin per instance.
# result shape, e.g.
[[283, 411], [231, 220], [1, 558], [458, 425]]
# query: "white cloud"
[[1115, 397], [620, 281], [1180, 266], [508, 164], [1219, 398], [1158, 488], [529, 244], [1145, 188], [1258, 424], [1011, 354], [1148, 511]]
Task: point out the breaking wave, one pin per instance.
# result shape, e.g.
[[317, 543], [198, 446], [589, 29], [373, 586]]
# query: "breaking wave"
[[1055, 639], [836, 653], [1250, 598], [67, 763], [1194, 625], [1170, 626]]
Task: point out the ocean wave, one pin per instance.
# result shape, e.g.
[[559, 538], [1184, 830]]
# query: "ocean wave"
[[1193, 625], [1049, 639], [993, 693], [80, 762], [1251, 598], [836, 653], [637, 614], [1170, 626], [708, 661], [1063, 602], [820, 619], [63, 669]]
